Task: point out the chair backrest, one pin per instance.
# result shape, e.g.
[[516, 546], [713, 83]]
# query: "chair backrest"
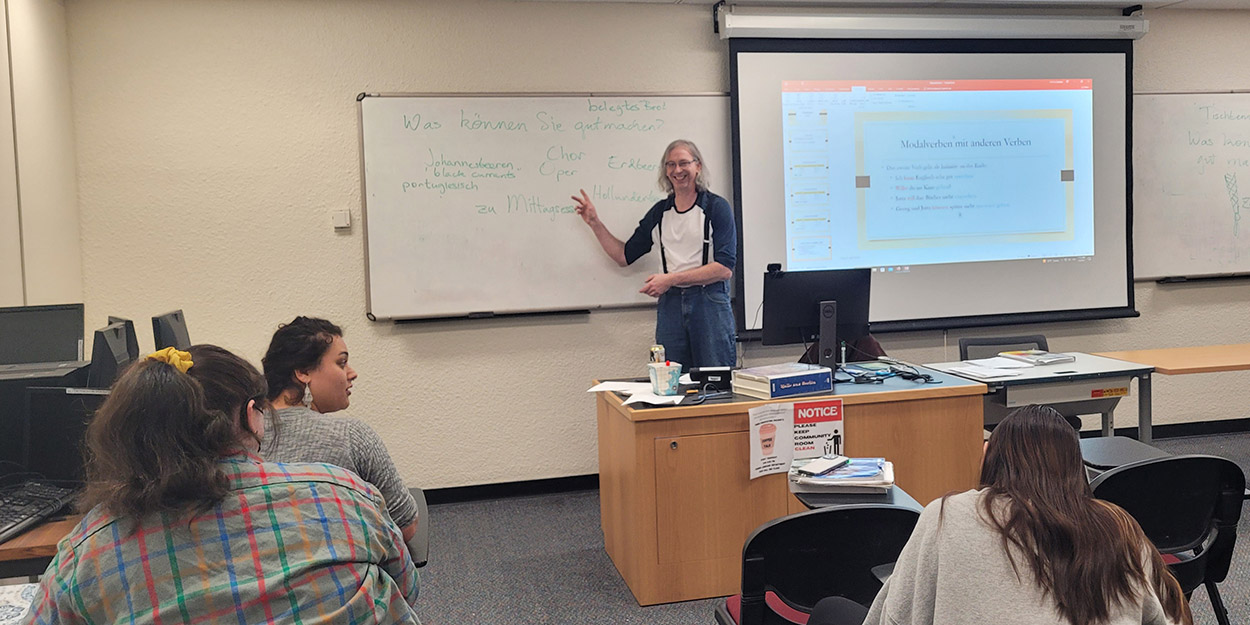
[[1182, 502], [988, 346], [808, 556]]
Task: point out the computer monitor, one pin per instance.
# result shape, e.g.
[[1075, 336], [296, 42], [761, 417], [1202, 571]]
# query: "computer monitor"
[[110, 355], [132, 339], [170, 330], [793, 311], [55, 432], [41, 334]]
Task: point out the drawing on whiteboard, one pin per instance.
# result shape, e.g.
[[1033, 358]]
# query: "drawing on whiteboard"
[[1230, 182]]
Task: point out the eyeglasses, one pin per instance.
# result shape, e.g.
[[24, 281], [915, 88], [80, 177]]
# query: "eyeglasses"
[[679, 164]]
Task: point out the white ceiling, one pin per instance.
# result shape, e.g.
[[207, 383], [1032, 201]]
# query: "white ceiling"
[[999, 4]]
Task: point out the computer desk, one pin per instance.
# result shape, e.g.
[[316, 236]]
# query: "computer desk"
[[1093, 383], [676, 502], [29, 553]]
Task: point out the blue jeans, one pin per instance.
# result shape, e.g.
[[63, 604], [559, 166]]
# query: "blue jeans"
[[696, 326]]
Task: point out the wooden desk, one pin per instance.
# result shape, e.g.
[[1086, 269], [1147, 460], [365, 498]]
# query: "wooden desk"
[[676, 502], [30, 552], [1182, 360]]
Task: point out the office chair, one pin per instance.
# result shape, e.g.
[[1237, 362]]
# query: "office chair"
[[789, 564], [419, 546], [971, 348], [1188, 506]]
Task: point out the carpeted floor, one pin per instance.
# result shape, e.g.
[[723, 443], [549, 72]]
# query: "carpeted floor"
[[541, 560]]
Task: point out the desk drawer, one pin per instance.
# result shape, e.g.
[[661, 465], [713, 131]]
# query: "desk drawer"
[[1060, 392]]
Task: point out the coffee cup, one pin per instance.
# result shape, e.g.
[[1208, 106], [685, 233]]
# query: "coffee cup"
[[665, 377], [768, 438]]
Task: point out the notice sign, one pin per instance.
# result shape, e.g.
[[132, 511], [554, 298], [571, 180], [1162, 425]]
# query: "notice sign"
[[772, 439], [781, 433], [817, 428]]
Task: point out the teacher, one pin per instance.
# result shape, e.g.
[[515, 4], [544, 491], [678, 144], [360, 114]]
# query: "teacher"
[[698, 249]]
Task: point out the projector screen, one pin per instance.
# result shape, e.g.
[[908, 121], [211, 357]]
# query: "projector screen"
[[982, 182]]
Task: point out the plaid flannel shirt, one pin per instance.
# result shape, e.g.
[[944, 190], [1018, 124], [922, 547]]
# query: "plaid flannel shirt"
[[290, 543]]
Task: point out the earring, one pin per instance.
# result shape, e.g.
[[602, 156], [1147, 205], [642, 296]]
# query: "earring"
[[308, 398]]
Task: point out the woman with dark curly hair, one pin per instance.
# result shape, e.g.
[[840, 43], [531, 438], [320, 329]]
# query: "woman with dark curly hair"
[[309, 377]]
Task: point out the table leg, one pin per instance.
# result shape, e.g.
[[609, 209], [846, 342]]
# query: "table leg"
[[1143, 408], [1108, 423]]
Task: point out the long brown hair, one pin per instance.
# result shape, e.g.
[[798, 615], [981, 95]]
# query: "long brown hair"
[[154, 444], [1085, 553]]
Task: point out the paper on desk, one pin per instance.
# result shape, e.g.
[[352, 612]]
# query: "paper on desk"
[[629, 388], [998, 362], [651, 398], [982, 373]]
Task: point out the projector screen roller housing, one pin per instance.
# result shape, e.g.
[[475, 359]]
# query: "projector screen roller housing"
[[983, 182]]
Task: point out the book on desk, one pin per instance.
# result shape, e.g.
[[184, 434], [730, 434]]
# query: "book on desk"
[[1038, 356], [787, 379], [859, 476]]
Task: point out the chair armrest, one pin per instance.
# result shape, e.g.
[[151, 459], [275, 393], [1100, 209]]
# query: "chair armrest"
[[883, 571], [419, 544]]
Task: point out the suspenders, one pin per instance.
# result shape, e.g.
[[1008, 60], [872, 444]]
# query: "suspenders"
[[707, 231]]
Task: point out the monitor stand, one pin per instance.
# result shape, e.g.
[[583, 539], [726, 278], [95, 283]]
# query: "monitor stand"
[[828, 315]]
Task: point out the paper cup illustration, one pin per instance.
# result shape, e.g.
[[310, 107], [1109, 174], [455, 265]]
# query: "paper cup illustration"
[[664, 377], [768, 436]]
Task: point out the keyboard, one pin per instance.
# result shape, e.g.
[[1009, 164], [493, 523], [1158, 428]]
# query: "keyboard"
[[25, 506]]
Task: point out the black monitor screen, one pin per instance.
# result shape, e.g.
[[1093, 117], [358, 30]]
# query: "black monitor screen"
[[41, 334], [56, 425], [792, 299], [110, 354], [170, 330]]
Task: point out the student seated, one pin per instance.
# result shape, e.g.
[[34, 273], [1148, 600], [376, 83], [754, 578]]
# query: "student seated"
[[187, 525], [309, 377], [1032, 545]]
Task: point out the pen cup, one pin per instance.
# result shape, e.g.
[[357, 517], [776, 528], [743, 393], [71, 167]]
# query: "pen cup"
[[664, 377]]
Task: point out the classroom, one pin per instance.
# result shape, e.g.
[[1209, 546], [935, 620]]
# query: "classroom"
[[191, 155]]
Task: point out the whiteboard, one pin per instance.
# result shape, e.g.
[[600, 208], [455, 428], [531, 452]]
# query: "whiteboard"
[[1191, 185], [467, 198]]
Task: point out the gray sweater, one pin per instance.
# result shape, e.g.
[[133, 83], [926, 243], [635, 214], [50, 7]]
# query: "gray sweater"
[[305, 435], [956, 571]]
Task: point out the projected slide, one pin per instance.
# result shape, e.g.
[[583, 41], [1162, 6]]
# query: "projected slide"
[[936, 171]]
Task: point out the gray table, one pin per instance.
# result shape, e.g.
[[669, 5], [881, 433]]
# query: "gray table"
[[1090, 384]]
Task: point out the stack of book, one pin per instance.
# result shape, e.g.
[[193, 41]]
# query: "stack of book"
[[783, 380], [859, 476], [1038, 357]]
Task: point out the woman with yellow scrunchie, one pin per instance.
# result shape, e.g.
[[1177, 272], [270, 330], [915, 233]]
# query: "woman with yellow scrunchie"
[[188, 525]]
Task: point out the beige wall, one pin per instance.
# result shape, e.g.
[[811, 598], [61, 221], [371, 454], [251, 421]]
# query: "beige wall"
[[10, 235], [43, 130], [215, 138]]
